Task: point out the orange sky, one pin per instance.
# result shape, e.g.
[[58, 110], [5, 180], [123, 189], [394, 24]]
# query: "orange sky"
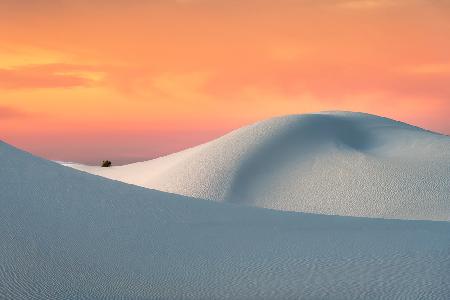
[[128, 80]]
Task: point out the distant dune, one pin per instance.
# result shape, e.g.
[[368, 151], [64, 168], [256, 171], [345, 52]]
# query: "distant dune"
[[65, 234], [339, 163]]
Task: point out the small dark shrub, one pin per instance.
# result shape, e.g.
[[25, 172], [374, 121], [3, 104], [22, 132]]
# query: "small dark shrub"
[[106, 164]]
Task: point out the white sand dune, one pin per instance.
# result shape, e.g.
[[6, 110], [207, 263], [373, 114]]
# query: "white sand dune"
[[340, 163], [65, 234]]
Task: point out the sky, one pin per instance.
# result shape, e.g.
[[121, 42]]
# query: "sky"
[[129, 80]]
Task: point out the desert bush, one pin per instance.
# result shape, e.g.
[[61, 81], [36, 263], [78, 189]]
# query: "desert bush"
[[106, 164]]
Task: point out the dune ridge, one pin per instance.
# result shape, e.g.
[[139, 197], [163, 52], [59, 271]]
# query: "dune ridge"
[[338, 163]]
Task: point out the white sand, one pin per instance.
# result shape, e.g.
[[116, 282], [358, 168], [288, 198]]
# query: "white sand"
[[338, 163], [65, 234]]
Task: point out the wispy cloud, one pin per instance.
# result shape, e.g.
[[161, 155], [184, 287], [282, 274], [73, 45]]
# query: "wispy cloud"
[[368, 4], [428, 69], [48, 76]]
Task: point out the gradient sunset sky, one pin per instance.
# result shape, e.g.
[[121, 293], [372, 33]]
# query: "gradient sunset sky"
[[129, 80]]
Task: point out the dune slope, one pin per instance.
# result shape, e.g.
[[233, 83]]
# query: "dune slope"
[[339, 163], [69, 235]]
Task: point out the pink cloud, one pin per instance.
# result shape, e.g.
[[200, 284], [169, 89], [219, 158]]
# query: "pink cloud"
[[7, 112], [330, 81]]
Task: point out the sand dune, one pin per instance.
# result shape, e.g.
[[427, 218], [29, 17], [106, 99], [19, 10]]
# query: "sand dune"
[[70, 235], [342, 163]]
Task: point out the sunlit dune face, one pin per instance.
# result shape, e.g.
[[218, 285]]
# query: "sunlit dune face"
[[130, 80]]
